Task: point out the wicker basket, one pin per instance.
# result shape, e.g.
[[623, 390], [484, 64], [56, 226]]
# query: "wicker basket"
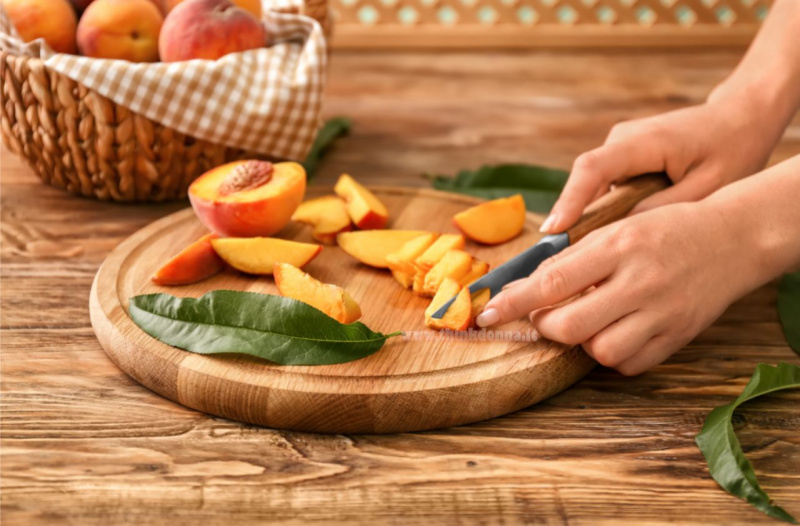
[[76, 139], [465, 24]]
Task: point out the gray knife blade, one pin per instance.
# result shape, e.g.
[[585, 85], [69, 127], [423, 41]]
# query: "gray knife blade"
[[521, 266]]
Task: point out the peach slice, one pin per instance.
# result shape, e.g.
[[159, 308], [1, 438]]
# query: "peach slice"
[[434, 253], [328, 216], [479, 269], [479, 301], [366, 210], [258, 255], [248, 198], [493, 222], [372, 246], [330, 299], [455, 264], [402, 261], [194, 263], [459, 316]]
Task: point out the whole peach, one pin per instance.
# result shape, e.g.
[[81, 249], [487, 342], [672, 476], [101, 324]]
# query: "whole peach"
[[52, 20], [121, 29], [81, 5], [253, 6], [208, 29]]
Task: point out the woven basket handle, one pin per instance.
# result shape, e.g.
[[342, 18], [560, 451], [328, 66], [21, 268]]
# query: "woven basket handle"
[[318, 9]]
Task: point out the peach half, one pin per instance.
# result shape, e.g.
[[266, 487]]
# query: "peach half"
[[402, 262], [330, 299], [372, 246], [459, 316], [366, 210], [248, 198], [327, 214], [194, 263], [258, 255], [493, 222]]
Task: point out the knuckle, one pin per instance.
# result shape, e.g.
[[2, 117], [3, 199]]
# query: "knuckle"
[[565, 329], [603, 352], [552, 283], [588, 162]]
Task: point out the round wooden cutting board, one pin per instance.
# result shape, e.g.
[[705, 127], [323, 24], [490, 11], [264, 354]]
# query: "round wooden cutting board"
[[425, 381]]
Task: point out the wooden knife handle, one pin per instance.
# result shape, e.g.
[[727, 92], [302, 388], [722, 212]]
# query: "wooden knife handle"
[[617, 203]]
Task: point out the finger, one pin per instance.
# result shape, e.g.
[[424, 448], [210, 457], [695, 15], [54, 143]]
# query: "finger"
[[693, 187], [654, 352], [586, 316], [550, 285], [514, 283], [597, 169], [623, 338]]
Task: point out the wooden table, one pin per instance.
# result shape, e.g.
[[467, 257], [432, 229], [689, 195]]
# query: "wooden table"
[[84, 444]]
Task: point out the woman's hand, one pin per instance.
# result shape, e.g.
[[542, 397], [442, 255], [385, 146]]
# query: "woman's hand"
[[651, 283], [701, 148]]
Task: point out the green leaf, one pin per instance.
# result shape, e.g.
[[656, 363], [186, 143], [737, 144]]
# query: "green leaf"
[[789, 309], [330, 131], [278, 329], [539, 186], [726, 461]]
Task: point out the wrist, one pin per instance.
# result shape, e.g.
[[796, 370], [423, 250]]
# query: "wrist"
[[764, 107]]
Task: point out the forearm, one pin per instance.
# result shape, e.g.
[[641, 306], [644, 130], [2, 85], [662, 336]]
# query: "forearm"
[[763, 217], [766, 82]]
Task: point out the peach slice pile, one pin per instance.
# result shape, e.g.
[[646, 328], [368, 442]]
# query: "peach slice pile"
[[330, 299], [493, 222], [353, 205]]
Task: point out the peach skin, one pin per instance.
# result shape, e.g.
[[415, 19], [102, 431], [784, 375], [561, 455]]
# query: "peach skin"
[[52, 20], [209, 29], [366, 210], [194, 263], [252, 6], [120, 29], [248, 198]]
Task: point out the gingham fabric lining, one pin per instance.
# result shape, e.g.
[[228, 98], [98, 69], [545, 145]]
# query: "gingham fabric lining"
[[266, 100]]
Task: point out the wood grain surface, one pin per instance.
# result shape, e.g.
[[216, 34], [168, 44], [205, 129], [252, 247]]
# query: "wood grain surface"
[[84, 444], [424, 380]]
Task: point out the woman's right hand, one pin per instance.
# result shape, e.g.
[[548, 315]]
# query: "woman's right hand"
[[701, 148]]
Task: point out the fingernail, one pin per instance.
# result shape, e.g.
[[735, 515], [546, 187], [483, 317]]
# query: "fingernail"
[[488, 318], [548, 223]]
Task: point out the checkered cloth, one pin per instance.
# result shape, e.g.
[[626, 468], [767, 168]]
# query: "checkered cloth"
[[265, 100]]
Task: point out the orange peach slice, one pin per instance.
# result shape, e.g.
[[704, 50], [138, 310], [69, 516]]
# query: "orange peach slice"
[[434, 253], [194, 263], [372, 246], [366, 210], [330, 299], [479, 269], [479, 301], [455, 264], [493, 222], [328, 216], [248, 198], [258, 255], [459, 316], [402, 262]]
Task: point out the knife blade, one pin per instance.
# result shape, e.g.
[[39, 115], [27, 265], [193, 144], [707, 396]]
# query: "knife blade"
[[613, 206]]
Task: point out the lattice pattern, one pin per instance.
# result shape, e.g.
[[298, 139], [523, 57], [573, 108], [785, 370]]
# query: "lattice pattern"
[[436, 19]]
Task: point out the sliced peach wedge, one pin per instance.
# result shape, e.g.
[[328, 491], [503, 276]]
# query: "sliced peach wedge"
[[479, 301], [258, 255], [372, 246], [455, 264], [459, 316], [194, 263], [328, 215], [493, 222], [366, 210], [478, 270], [402, 262], [248, 198], [330, 299], [431, 256]]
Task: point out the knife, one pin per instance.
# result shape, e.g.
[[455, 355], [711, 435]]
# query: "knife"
[[614, 205]]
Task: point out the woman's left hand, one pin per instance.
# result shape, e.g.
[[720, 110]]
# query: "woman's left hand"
[[649, 283]]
